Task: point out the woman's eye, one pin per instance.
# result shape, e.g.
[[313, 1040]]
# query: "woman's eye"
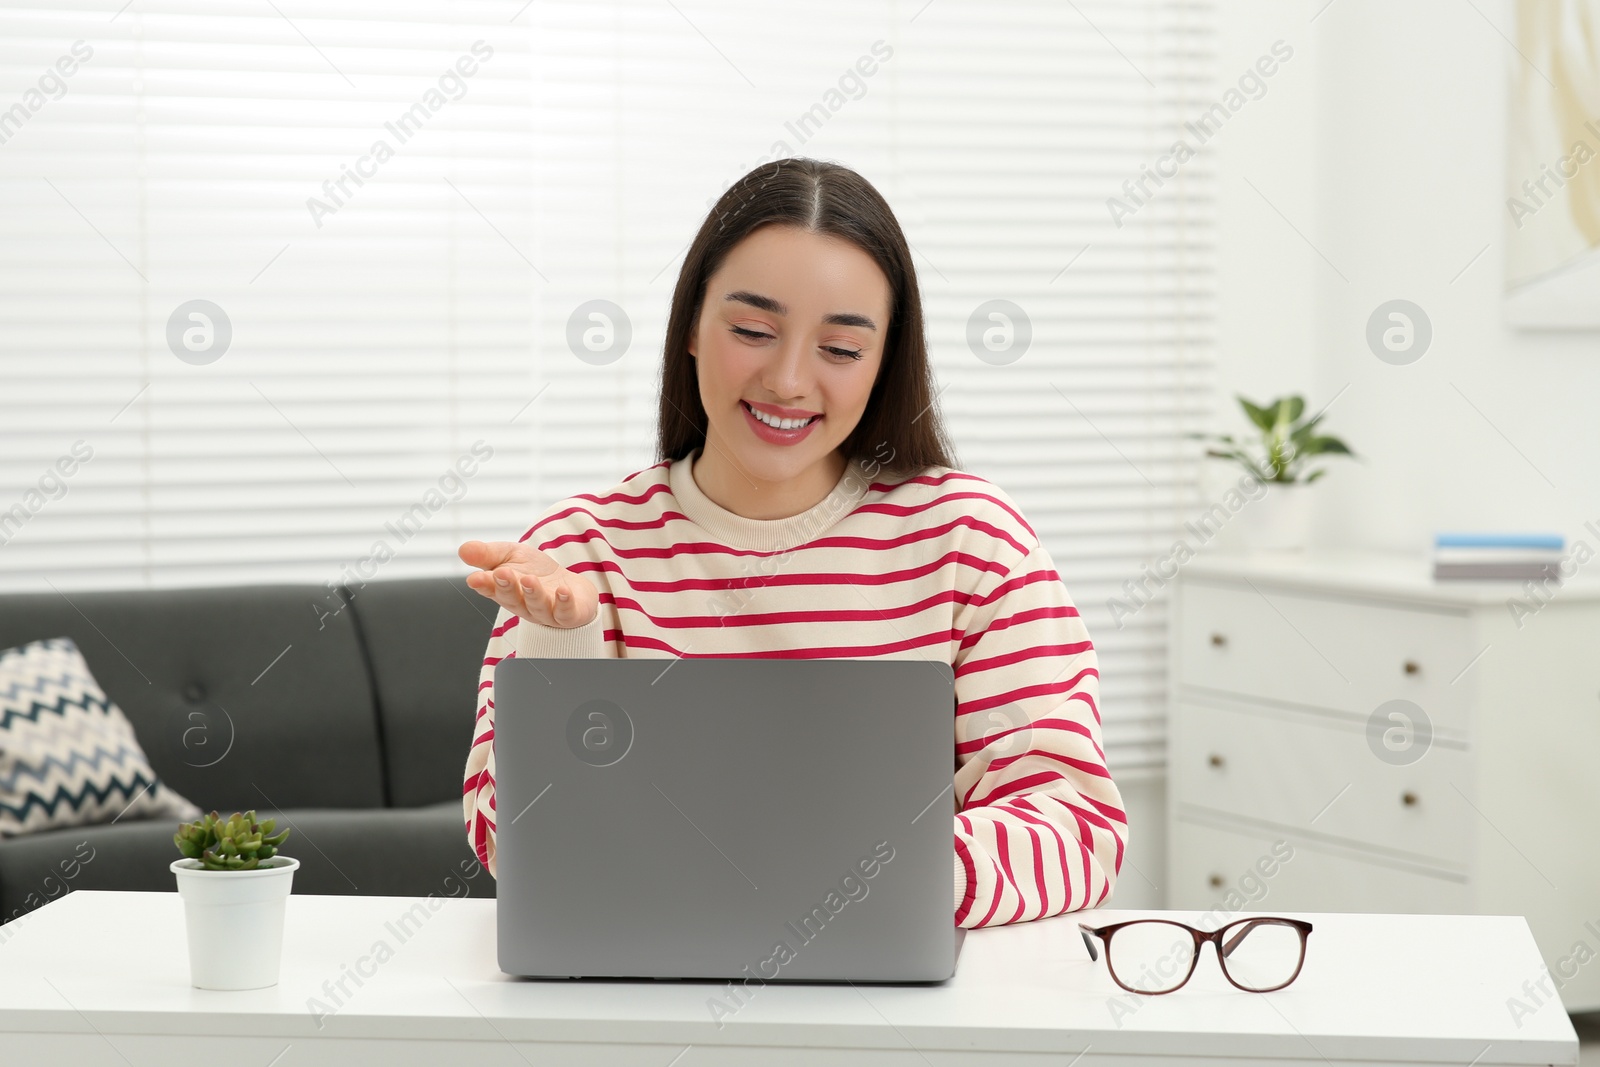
[[741, 331]]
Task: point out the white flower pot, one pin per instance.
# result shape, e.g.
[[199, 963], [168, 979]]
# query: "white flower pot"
[[1280, 520], [235, 922]]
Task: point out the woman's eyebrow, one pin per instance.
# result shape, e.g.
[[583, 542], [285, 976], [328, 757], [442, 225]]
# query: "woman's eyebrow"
[[766, 303]]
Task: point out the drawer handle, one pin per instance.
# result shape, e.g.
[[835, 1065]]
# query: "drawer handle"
[[1215, 760], [1412, 666], [1216, 881], [1218, 640], [1408, 798]]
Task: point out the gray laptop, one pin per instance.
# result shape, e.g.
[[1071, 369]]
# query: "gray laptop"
[[738, 818]]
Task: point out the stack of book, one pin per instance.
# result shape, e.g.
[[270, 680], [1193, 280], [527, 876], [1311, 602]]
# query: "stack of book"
[[1512, 556]]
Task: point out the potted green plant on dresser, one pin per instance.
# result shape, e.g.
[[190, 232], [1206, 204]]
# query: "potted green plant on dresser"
[[234, 884], [1282, 518]]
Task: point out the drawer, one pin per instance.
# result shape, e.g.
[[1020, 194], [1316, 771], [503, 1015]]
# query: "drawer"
[[1234, 870], [1343, 655], [1317, 773]]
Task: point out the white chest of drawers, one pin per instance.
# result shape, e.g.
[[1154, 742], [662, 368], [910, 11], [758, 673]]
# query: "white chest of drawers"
[[1416, 744]]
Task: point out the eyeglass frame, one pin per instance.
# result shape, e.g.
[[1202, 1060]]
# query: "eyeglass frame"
[[1105, 934]]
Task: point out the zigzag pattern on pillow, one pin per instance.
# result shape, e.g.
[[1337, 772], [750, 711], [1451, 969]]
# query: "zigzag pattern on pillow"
[[68, 755]]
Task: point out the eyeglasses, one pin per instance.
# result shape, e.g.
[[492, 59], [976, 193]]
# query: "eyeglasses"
[[1154, 956]]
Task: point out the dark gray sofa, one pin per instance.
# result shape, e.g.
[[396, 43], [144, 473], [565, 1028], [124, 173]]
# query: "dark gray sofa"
[[347, 717]]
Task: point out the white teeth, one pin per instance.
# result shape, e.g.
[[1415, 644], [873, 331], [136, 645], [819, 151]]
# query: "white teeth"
[[779, 424]]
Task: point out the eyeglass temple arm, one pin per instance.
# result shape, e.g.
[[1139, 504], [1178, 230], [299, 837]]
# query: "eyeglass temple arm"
[[1233, 942], [1088, 941]]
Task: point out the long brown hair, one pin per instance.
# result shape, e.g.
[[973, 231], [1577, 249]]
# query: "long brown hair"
[[825, 198]]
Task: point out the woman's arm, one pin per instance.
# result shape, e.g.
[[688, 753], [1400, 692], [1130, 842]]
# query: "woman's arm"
[[512, 636], [1039, 828], [529, 585], [478, 790]]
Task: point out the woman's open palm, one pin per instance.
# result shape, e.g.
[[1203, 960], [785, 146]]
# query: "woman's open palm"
[[530, 583]]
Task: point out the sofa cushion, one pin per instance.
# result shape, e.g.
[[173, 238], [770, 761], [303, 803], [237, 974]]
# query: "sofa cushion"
[[68, 756], [425, 639], [416, 852], [242, 697]]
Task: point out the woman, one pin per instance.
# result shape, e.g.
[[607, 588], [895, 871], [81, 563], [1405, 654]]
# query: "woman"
[[805, 504]]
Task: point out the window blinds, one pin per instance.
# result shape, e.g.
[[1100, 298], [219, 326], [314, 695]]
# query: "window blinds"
[[348, 196], [440, 301]]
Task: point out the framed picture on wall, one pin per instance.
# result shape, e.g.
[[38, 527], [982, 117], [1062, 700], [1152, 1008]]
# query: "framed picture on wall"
[[1553, 167]]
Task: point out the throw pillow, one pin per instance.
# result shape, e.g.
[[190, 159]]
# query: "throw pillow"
[[68, 756]]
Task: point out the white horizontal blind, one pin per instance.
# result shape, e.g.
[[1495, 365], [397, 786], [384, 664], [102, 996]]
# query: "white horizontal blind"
[[378, 329], [997, 131]]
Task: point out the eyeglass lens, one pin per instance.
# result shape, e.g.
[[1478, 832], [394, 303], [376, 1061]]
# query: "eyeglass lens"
[[1152, 957], [1261, 954]]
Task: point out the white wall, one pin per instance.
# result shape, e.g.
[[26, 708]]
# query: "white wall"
[[1383, 142], [1412, 120], [1266, 274]]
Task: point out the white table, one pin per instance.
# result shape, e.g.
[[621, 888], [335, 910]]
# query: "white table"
[[102, 978]]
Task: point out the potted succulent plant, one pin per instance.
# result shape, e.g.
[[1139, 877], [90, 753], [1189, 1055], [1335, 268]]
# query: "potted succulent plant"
[[234, 884], [1281, 519]]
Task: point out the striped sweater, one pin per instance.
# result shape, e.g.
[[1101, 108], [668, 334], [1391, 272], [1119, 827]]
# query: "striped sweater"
[[941, 564]]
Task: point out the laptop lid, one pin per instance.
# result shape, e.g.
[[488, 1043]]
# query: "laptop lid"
[[725, 818]]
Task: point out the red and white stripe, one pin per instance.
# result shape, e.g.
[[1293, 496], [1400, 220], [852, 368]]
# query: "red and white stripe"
[[940, 565]]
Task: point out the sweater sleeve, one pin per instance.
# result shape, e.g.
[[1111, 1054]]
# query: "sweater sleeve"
[[1039, 826], [512, 636]]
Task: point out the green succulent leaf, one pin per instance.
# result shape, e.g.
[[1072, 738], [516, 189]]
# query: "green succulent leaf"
[[1317, 445], [237, 843], [1260, 416], [1305, 428]]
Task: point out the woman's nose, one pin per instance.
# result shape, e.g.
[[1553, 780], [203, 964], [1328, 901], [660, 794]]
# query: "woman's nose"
[[787, 375]]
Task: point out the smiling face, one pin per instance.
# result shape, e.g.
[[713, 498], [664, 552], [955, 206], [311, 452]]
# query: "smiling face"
[[792, 326]]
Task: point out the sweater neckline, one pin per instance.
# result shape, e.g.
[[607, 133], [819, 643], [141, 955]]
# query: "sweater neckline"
[[765, 535]]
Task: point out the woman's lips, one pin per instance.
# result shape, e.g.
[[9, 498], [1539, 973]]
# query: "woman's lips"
[[771, 434], [776, 412]]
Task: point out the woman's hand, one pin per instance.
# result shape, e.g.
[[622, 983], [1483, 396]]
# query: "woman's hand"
[[530, 583]]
